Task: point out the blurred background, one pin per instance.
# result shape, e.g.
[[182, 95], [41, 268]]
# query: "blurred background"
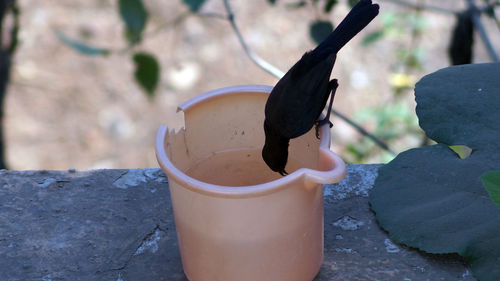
[[91, 80]]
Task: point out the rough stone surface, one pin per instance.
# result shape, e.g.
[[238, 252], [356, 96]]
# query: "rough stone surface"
[[118, 225]]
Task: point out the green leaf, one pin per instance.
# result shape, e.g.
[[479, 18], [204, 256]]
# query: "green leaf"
[[195, 5], [329, 4], [372, 37], [134, 15], [462, 151], [272, 2], [491, 181], [82, 47], [147, 72], [429, 198], [319, 30], [296, 5]]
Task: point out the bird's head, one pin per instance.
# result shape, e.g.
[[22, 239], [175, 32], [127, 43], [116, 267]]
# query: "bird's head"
[[275, 150]]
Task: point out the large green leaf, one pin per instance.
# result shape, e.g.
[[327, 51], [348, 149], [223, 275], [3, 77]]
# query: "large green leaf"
[[147, 72], [134, 15], [491, 181], [430, 198]]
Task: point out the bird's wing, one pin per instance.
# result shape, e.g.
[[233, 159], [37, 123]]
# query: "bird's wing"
[[300, 98]]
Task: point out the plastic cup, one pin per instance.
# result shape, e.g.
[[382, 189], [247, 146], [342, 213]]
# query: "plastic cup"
[[235, 218]]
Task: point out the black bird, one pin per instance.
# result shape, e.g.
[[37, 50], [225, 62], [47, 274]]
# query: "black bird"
[[462, 40], [297, 100]]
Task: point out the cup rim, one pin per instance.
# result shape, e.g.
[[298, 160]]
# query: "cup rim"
[[309, 176]]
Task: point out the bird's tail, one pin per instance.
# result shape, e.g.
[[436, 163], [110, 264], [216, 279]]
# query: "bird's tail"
[[357, 19]]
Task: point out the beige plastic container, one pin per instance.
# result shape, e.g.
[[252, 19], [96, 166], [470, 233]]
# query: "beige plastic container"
[[237, 220]]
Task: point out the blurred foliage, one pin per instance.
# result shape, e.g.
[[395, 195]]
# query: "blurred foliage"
[[82, 47], [146, 72], [393, 122], [390, 122], [194, 5], [319, 30], [329, 4], [134, 16], [296, 5]]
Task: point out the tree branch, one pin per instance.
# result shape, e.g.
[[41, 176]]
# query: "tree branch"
[[476, 18], [364, 132], [419, 6], [15, 28], [173, 23], [254, 57]]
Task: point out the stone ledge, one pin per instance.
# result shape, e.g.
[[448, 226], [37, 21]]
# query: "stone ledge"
[[118, 225]]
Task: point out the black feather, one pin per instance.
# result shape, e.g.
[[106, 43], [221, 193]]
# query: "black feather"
[[462, 39]]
